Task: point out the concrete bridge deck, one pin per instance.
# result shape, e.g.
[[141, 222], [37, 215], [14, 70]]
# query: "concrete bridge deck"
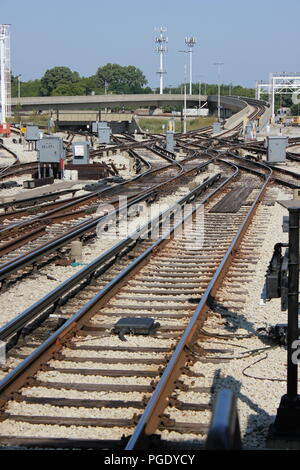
[[46, 103]]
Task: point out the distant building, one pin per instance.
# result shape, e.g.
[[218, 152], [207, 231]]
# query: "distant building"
[[193, 112]]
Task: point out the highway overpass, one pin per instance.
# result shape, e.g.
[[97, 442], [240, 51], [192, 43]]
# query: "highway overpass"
[[46, 103], [80, 110]]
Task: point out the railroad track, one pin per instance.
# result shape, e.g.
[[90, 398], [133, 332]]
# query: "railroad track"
[[40, 240], [281, 175], [115, 382], [8, 169], [149, 384], [156, 165]]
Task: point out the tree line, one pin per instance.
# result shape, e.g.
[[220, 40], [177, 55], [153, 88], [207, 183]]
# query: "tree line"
[[110, 78], [58, 81]]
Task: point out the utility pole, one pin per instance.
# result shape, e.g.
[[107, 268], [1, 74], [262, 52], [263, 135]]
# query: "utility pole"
[[200, 85], [219, 64], [5, 72], [190, 42], [184, 108], [19, 85], [161, 49], [184, 99]]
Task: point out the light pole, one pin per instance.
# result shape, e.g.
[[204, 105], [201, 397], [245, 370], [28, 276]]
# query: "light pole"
[[184, 110], [190, 42], [200, 90], [184, 99], [219, 64], [19, 85]]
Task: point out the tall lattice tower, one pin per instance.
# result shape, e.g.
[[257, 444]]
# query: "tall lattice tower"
[[5, 73]]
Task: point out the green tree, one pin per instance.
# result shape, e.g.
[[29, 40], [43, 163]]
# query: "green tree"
[[30, 88], [68, 89], [120, 79], [90, 85], [55, 77]]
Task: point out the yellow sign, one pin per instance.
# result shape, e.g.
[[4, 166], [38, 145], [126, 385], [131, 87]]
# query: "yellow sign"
[[23, 130]]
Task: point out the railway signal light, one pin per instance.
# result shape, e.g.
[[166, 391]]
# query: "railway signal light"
[[287, 422]]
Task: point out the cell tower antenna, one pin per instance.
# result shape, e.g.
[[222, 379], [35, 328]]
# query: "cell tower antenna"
[[190, 42], [161, 48], [5, 73]]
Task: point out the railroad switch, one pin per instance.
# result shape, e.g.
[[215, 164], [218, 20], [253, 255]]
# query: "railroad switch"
[[135, 326]]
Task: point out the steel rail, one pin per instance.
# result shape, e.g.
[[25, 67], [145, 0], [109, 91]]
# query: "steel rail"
[[151, 417], [78, 199], [284, 171], [27, 202], [274, 169], [63, 205], [27, 315], [29, 366], [30, 258]]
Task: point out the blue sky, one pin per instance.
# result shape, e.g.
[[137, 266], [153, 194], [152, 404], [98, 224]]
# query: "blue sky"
[[252, 38]]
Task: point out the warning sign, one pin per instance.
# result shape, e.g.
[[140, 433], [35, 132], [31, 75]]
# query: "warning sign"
[[79, 151]]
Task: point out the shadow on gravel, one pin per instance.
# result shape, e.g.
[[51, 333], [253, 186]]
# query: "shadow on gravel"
[[237, 320], [258, 422]]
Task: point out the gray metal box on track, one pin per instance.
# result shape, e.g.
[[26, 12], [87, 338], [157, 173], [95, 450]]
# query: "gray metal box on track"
[[104, 133], [50, 150], [95, 126], [32, 133], [81, 152], [276, 145], [216, 127], [170, 141]]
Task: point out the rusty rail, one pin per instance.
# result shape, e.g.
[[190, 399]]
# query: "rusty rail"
[[151, 418]]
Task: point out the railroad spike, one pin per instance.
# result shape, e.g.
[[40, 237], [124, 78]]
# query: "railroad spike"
[[181, 385], [167, 421], [174, 402]]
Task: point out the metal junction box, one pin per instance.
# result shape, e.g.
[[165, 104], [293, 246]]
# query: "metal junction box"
[[170, 141], [104, 133], [95, 126], [216, 127], [249, 135], [50, 150], [81, 152], [32, 133], [276, 145]]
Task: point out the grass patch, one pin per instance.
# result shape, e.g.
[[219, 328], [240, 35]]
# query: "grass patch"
[[153, 125], [37, 120]]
